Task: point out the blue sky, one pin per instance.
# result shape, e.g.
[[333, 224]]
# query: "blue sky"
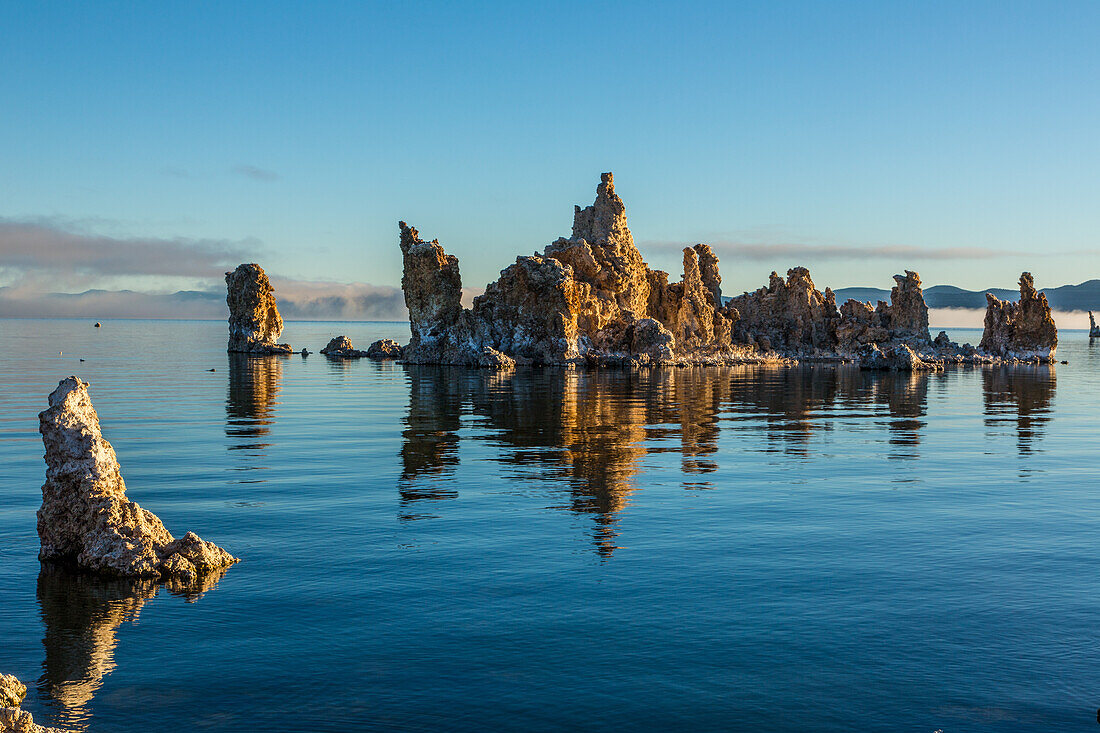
[[858, 139]]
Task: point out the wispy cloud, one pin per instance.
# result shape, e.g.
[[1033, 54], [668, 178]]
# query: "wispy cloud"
[[255, 173], [70, 253], [819, 252]]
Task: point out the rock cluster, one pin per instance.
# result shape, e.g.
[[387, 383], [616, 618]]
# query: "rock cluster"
[[12, 719], [588, 299], [592, 300], [341, 348], [254, 321], [1023, 330], [86, 518]]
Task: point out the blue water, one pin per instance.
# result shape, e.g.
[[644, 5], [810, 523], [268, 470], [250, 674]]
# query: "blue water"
[[766, 549]]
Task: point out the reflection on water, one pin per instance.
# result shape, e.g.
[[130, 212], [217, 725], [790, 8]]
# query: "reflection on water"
[[82, 614], [592, 430], [1019, 395], [251, 399]]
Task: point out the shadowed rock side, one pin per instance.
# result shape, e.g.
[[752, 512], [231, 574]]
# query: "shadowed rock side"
[[12, 719], [1023, 330], [254, 321], [592, 300], [86, 518]]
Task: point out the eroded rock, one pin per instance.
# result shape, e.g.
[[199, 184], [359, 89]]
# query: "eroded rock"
[[384, 349], [591, 299], [86, 518], [254, 322], [12, 719], [1023, 330], [341, 348]]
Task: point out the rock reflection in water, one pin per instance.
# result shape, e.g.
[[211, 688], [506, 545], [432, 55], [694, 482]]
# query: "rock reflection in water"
[[251, 399], [591, 430], [1019, 395], [82, 614]]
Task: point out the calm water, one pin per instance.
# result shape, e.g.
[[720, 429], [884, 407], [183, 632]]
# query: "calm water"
[[439, 549]]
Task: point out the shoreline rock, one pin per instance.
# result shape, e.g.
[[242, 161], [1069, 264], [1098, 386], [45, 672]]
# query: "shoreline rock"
[[86, 519], [254, 321], [591, 300], [12, 718]]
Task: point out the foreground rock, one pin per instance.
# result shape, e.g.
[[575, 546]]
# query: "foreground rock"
[[341, 348], [12, 719], [1094, 330], [384, 349], [592, 300], [254, 321], [86, 518], [1023, 330]]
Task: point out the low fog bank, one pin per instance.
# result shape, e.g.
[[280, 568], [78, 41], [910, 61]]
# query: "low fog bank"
[[944, 319], [299, 300]]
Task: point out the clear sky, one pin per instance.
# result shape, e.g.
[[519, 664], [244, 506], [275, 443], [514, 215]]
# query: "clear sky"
[[961, 139]]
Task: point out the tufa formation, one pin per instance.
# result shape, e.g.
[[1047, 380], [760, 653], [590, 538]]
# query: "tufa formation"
[[254, 321], [592, 300], [86, 518], [12, 719]]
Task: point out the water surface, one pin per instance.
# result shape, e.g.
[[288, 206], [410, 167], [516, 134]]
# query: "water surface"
[[429, 548]]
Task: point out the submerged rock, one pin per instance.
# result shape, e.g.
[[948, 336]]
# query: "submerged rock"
[[86, 518], [12, 719], [1023, 330], [384, 349], [341, 348], [591, 299], [254, 321]]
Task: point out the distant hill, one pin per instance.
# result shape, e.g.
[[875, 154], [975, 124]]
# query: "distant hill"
[[1082, 297]]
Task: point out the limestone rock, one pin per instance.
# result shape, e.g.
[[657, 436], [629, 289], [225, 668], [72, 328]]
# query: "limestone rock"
[[86, 518], [341, 348], [254, 321], [1023, 330], [592, 300], [12, 719], [384, 349], [898, 357], [12, 691]]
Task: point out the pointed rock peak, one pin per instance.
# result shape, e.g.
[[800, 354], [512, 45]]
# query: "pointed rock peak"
[[604, 222], [1027, 286]]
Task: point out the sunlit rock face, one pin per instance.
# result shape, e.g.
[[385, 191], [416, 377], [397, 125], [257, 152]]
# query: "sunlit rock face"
[[12, 691], [1024, 330], [86, 518], [341, 347], [384, 349], [588, 299], [254, 321]]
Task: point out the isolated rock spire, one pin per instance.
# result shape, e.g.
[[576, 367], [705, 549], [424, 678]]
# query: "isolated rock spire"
[[254, 321], [1021, 330], [86, 518]]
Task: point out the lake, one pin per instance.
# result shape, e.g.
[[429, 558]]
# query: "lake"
[[435, 548]]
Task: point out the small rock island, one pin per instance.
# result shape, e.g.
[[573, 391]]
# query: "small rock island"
[[86, 519], [591, 300], [254, 321]]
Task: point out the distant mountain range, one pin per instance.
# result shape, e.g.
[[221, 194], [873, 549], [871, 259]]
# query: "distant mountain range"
[[1083, 297], [379, 303]]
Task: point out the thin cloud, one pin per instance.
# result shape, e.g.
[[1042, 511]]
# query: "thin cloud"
[[818, 252], [255, 173], [58, 247]]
